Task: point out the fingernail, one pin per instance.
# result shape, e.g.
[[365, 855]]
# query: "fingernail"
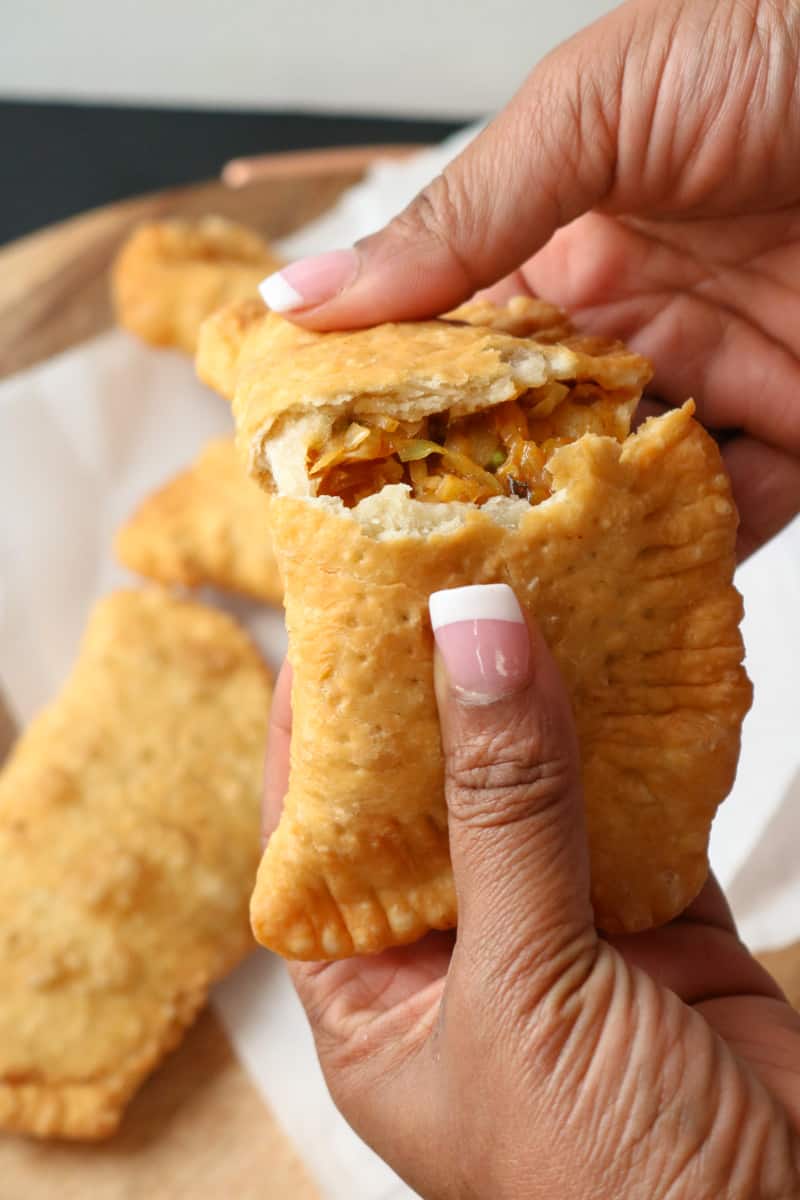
[[482, 636], [309, 281]]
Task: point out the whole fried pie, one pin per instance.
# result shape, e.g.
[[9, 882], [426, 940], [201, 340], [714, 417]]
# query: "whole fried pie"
[[170, 275], [207, 526], [129, 814]]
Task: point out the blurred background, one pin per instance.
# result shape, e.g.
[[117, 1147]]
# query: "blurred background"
[[102, 100]]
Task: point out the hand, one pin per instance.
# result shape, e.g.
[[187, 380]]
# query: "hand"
[[662, 144], [526, 1055]]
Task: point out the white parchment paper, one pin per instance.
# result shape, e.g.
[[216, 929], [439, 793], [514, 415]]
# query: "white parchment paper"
[[86, 436]]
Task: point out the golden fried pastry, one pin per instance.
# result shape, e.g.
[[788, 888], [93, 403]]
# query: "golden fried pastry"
[[129, 816], [171, 274], [405, 459], [219, 351], [524, 316], [209, 525]]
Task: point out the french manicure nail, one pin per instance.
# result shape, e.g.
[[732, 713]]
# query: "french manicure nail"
[[483, 638], [309, 281]]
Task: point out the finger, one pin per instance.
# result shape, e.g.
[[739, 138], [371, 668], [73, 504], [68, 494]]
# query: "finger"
[[344, 999], [697, 962], [710, 907], [276, 764], [648, 406], [698, 955], [615, 118], [766, 485], [517, 836], [372, 1020], [548, 156], [505, 289]]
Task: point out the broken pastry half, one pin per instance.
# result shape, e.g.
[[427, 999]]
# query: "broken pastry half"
[[207, 526], [408, 458], [171, 274], [129, 819]]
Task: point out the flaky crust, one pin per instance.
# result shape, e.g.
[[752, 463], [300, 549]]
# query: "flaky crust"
[[275, 371], [628, 570], [209, 525], [532, 317], [171, 274], [523, 316], [221, 341], [128, 842]]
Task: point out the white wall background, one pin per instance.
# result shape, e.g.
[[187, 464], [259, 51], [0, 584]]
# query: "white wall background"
[[422, 57]]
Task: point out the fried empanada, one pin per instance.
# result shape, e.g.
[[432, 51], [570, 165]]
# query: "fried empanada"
[[209, 525], [405, 459], [171, 274], [129, 817]]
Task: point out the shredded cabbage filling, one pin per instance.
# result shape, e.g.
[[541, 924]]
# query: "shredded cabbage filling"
[[500, 451]]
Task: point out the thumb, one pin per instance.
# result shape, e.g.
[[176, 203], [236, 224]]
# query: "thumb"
[[514, 797], [546, 158]]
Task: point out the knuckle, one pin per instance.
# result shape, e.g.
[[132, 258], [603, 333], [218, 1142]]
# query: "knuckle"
[[346, 1063], [442, 206], [500, 778], [348, 1053], [356, 1041], [442, 213], [436, 210], [583, 106]]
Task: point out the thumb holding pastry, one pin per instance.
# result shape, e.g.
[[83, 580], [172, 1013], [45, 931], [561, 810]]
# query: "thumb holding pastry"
[[382, 1023], [525, 1055], [516, 825]]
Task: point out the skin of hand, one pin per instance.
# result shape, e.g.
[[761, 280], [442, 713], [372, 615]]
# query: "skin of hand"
[[646, 176], [526, 1055]]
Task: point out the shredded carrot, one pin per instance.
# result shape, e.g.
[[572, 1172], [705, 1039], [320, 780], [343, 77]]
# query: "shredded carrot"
[[498, 451]]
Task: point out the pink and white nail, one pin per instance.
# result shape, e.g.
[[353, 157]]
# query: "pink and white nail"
[[483, 639], [309, 281]]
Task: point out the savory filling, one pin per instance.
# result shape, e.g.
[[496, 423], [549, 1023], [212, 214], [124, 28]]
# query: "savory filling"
[[500, 451]]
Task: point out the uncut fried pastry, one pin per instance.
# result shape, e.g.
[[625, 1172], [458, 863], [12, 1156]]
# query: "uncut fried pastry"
[[626, 563], [129, 814], [208, 525], [171, 274]]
